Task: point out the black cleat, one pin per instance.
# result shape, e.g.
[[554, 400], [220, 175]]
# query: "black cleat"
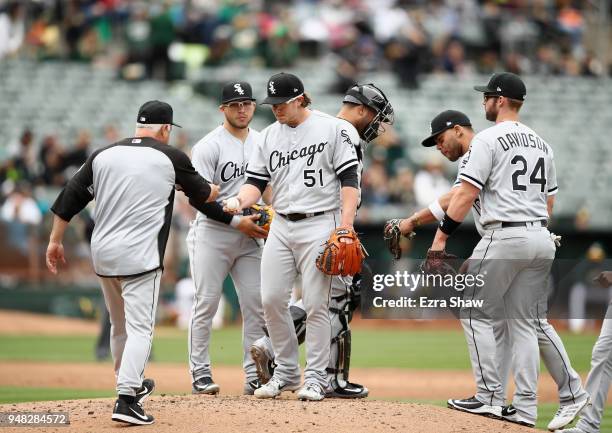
[[472, 405], [148, 385], [131, 413], [205, 385], [349, 390], [250, 387], [509, 414]]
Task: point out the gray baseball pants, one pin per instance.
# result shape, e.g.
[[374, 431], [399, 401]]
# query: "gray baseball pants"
[[515, 263], [216, 250], [293, 247], [599, 378], [131, 303]]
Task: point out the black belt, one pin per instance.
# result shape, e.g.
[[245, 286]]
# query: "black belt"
[[299, 216], [543, 223]]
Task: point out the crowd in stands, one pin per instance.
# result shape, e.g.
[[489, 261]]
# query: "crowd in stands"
[[409, 37]]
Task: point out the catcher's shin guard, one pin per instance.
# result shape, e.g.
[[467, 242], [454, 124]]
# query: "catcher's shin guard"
[[340, 387], [298, 315]]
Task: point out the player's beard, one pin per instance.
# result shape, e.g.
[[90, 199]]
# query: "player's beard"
[[241, 124], [492, 113], [456, 150]]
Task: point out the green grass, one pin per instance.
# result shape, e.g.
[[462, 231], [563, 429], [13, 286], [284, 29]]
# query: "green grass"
[[416, 349], [10, 394]]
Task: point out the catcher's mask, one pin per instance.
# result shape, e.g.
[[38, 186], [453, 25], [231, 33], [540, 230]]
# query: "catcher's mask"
[[374, 98]]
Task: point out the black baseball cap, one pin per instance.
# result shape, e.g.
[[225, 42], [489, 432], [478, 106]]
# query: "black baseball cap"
[[156, 113], [443, 121], [505, 84], [236, 91], [282, 87]]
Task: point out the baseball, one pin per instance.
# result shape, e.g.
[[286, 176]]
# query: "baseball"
[[232, 203]]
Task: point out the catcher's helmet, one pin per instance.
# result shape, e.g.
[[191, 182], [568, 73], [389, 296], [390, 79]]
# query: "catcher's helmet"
[[374, 98]]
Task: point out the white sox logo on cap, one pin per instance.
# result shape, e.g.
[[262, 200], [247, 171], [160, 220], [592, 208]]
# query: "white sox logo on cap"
[[271, 87], [143, 119], [239, 88]]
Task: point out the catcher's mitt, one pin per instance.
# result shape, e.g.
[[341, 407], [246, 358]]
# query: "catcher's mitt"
[[339, 257], [440, 262], [393, 235], [266, 214]]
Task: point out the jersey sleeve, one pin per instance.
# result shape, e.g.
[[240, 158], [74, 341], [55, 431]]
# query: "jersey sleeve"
[[345, 155], [257, 168], [195, 187], [205, 157], [77, 192], [478, 165], [551, 178]]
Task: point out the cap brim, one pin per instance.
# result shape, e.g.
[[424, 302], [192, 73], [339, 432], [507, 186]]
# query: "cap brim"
[[273, 100], [239, 98], [484, 89], [431, 140]]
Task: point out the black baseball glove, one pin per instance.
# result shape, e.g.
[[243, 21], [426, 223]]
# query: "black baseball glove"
[[440, 262], [393, 235]]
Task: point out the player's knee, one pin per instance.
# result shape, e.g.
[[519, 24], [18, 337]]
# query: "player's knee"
[[270, 300]]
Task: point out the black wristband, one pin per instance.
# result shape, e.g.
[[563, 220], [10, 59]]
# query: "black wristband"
[[448, 225]]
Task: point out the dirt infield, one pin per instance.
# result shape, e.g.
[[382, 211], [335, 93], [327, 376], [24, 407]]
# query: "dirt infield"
[[384, 383], [191, 414]]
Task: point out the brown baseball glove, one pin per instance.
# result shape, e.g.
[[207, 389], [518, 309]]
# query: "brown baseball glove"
[[340, 257], [266, 214]]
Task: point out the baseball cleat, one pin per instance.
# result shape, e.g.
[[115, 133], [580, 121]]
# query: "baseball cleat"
[[311, 392], [205, 385], [148, 385], [250, 387], [349, 390], [131, 413], [510, 414], [566, 414], [274, 388], [472, 405], [263, 361]]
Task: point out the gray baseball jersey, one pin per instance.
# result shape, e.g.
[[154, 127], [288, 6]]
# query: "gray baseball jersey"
[[223, 159], [217, 249], [133, 183], [524, 173], [302, 164]]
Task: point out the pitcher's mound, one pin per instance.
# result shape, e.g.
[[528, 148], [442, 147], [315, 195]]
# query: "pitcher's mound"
[[196, 414]]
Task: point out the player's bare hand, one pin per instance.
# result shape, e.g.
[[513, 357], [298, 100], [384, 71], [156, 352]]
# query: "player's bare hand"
[[604, 279], [214, 193], [406, 226], [55, 254], [248, 226]]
